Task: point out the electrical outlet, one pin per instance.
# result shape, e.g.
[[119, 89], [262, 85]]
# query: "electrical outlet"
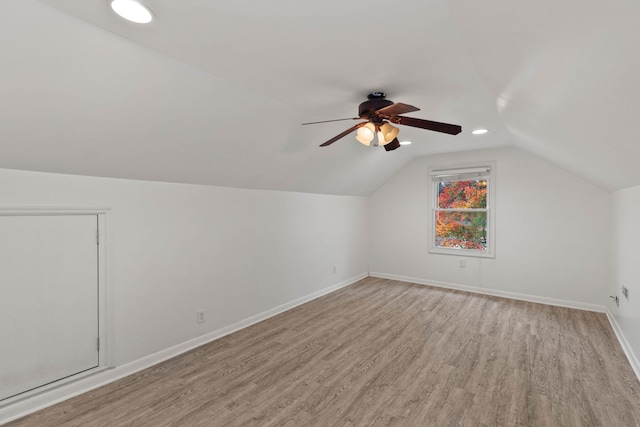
[[616, 299], [625, 292], [462, 263], [335, 269], [200, 316]]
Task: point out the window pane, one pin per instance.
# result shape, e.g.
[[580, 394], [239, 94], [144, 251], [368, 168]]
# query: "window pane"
[[462, 194], [461, 230]]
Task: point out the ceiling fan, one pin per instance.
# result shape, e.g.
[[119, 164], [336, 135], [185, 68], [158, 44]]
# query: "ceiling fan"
[[377, 130]]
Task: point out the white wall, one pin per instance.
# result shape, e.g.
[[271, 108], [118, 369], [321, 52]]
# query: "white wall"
[[552, 234], [626, 268], [174, 249]]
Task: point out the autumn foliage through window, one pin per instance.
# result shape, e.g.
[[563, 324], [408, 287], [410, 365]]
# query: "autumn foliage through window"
[[461, 214]]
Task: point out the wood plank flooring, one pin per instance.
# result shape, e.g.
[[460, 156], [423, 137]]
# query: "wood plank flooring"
[[381, 353]]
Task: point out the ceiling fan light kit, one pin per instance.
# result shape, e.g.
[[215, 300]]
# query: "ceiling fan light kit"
[[376, 135], [379, 113], [387, 133], [365, 134]]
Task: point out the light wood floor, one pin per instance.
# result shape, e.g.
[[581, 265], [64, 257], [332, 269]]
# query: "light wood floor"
[[382, 352]]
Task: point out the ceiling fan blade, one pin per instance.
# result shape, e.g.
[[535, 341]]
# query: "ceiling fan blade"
[[392, 145], [428, 124], [343, 134], [397, 108], [329, 121]]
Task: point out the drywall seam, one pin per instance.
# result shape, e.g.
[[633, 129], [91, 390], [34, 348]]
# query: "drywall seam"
[[494, 292], [37, 402]]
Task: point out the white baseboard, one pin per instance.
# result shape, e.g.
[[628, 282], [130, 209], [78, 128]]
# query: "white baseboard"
[[494, 292], [633, 360], [631, 357], [50, 397]]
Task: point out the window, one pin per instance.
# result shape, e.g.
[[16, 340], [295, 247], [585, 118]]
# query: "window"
[[462, 220]]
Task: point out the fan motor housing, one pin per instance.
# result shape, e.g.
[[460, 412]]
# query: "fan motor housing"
[[376, 101], [367, 108]]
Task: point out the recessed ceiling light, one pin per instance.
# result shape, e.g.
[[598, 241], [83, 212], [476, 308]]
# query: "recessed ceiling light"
[[479, 131], [132, 11], [405, 142]]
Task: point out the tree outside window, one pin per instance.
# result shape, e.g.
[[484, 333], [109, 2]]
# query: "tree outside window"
[[461, 217], [461, 214]]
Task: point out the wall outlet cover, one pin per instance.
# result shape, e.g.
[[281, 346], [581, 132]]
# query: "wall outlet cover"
[[200, 316]]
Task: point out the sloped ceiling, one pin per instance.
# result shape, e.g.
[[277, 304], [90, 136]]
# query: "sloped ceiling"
[[214, 92]]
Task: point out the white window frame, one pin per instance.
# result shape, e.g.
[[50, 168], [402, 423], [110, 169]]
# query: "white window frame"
[[487, 168]]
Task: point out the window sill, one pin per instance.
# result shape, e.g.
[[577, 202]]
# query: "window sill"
[[462, 253]]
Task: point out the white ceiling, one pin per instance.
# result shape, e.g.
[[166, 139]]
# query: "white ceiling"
[[214, 92]]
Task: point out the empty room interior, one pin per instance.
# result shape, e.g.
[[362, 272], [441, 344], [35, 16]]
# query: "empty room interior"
[[281, 213]]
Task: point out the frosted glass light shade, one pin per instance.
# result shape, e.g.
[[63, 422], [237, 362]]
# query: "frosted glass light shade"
[[365, 134], [387, 134], [132, 11]]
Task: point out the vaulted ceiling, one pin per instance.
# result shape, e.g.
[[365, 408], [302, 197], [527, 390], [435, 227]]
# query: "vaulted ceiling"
[[214, 92]]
